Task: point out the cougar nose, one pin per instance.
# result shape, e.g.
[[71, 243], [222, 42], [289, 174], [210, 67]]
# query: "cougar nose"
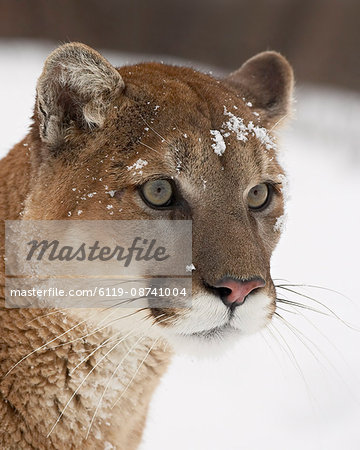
[[233, 292]]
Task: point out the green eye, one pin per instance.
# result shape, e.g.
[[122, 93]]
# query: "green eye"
[[158, 193], [258, 196]]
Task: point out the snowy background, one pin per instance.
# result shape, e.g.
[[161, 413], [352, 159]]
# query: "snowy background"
[[297, 386]]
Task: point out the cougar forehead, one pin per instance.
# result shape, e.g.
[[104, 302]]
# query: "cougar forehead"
[[196, 114]]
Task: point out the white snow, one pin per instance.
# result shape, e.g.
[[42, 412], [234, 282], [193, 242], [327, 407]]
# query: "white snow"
[[255, 397], [262, 135], [138, 165], [219, 145], [280, 223], [235, 124]]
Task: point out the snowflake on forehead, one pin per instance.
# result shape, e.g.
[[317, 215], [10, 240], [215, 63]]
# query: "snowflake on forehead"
[[137, 166], [237, 125], [219, 145]]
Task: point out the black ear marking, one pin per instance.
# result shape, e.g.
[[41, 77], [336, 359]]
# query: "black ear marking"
[[266, 80]]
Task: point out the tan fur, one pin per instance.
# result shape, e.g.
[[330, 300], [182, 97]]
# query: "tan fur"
[[92, 122]]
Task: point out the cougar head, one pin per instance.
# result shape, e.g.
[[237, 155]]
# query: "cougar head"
[[205, 149]]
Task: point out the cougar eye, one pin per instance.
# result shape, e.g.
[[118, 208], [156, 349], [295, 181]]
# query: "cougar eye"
[[258, 196], [157, 193]]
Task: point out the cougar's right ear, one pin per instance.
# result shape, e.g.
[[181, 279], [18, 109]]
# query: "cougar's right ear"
[[74, 90]]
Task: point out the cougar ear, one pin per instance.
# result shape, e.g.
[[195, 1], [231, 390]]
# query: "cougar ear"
[[267, 81], [74, 90]]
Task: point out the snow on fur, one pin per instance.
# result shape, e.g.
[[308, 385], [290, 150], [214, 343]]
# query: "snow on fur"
[[138, 165], [237, 125], [219, 145]]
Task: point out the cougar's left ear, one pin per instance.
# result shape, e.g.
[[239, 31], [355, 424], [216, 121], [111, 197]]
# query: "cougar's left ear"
[[267, 81], [74, 90]]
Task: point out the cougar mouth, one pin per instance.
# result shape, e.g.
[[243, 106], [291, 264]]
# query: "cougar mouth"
[[214, 333]]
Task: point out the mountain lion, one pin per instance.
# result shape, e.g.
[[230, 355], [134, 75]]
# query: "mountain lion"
[[152, 141]]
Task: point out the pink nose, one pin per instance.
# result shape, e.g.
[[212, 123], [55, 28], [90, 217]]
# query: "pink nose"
[[234, 291]]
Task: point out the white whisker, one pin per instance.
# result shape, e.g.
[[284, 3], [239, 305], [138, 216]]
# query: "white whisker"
[[79, 386], [45, 345], [108, 383], [136, 372], [148, 146]]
